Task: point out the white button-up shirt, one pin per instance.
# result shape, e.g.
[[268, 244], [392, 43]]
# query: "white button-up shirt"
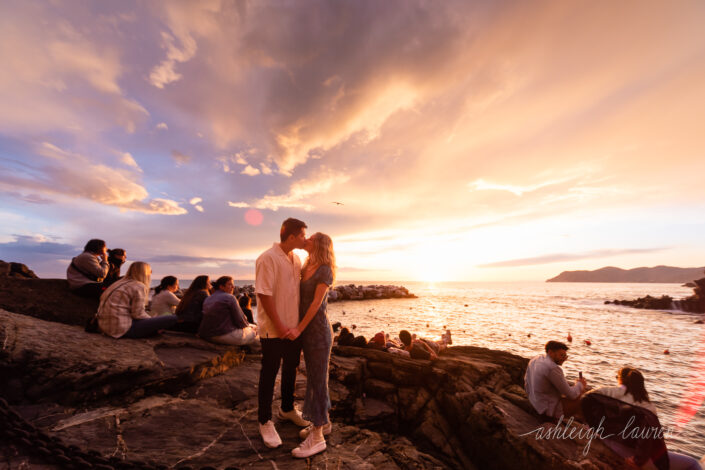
[[277, 275], [545, 383]]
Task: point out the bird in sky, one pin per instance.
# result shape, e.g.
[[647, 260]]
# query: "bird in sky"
[[338, 203]]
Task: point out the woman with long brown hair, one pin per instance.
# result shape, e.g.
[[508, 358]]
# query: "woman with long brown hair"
[[317, 275], [632, 390], [190, 310]]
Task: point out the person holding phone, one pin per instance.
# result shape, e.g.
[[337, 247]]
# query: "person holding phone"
[[546, 386]]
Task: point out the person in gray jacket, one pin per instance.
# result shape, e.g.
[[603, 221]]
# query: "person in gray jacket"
[[87, 271]]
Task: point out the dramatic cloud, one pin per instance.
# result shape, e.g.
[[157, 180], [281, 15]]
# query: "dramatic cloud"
[[499, 130], [164, 73], [58, 75], [72, 175]]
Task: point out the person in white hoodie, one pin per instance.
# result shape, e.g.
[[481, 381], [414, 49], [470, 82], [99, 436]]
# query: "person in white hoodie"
[[165, 300]]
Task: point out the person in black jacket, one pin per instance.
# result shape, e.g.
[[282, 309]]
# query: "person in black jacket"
[[116, 258]]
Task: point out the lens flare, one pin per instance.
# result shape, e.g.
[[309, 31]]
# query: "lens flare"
[[253, 217], [695, 395]]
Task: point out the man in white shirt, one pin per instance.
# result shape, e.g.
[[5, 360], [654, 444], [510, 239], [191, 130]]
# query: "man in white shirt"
[[546, 386], [277, 277]]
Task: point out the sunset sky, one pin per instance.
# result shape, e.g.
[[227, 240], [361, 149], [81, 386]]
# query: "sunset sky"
[[478, 141]]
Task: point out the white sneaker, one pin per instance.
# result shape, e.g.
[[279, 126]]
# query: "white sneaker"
[[269, 434], [294, 416], [327, 428], [308, 448]]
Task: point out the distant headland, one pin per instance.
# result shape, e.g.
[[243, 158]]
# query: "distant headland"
[[657, 274]]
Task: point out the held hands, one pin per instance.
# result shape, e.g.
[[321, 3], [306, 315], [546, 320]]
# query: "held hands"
[[292, 334]]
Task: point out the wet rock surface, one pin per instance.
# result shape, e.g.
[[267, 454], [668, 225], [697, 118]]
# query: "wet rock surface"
[[175, 401]]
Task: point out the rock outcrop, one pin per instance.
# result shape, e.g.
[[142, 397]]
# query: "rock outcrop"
[[693, 304], [176, 401], [17, 270], [696, 302], [664, 302], [353, 292], [48, 299]]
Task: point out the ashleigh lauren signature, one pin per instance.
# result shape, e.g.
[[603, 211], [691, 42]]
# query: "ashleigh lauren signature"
[[567, 431]]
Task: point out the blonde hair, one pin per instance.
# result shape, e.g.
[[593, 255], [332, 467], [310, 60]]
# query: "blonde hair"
[[322, 253], [140, 271]]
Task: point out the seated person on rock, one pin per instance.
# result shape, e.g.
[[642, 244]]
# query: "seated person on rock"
[[546, 385], [87, 271], [417, 348], [116, 258], [345, 338], [165, 300], [190, 309], [121, 312], [245, 302], [626, 407], [223, 321], [378, 341]]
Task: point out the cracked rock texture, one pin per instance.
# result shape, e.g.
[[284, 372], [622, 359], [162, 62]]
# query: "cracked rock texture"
[[176, 401]]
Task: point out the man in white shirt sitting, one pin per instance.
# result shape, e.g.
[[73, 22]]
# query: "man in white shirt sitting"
[[546, 386]]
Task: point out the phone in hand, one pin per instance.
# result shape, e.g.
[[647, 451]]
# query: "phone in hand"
[[580, 374]]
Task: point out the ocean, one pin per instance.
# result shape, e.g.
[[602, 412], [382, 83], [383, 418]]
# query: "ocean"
[[520, 318]]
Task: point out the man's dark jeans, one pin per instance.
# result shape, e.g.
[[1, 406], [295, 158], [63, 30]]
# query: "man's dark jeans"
[[276, 351]]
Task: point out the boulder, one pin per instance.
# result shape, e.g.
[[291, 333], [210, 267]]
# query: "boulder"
[[693, 304], [48, 299]]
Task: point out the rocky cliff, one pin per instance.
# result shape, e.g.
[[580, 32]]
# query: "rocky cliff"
[[78, 400]]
